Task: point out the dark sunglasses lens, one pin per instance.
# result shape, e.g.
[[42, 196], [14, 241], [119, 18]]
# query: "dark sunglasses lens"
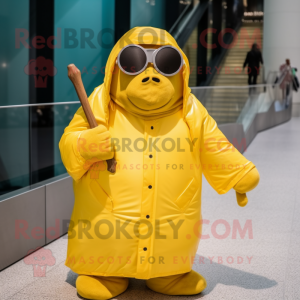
[[133, 59], [168, 60]]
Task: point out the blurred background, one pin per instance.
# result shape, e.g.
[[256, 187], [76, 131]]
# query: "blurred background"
[[40, 38]]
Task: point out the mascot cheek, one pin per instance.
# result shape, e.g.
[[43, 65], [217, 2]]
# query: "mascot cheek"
[[119, 84]]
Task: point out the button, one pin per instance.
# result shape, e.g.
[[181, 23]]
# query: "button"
[[147, 216], [150, 156], [150, 187], [152, 127], [145, 249]]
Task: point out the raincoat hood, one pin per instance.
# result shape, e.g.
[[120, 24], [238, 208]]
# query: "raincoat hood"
[[142, 36]]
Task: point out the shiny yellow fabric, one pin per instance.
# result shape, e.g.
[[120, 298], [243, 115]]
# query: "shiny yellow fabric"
[[188, 145], [248, 182]]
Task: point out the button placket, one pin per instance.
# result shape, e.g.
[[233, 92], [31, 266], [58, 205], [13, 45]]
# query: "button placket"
[[145, 251]]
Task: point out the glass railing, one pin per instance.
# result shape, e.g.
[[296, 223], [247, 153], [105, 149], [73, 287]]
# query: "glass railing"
[[30, 134], [240, 104], [29, 143], [226, 103]]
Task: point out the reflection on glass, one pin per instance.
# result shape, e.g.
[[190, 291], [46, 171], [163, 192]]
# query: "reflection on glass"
[[14, 150], [19, 144], [14, 24]]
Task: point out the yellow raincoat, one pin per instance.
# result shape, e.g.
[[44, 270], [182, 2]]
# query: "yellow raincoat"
[[144, 221]]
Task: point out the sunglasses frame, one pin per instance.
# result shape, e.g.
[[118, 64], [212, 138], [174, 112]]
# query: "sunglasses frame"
[[150, 58]]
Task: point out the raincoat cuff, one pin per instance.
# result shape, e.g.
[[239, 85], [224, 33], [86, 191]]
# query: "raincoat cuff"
[[247, 168]]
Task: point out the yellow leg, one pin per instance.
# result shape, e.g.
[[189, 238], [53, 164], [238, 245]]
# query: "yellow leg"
[[100, 288], [190, 283]]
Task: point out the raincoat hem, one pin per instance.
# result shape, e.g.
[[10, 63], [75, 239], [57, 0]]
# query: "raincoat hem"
[[128, 275]]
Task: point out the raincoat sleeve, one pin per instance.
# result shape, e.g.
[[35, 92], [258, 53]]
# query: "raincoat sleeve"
[[75, 164], [222, 164]]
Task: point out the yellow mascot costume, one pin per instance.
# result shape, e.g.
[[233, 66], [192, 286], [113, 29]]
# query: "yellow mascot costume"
[[138, 221]]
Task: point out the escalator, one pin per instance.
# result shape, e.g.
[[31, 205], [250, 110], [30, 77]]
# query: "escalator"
[[219, 67], [225, 104], [235, 57]]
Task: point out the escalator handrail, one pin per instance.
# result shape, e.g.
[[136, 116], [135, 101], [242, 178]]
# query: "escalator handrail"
[[39, 104], [182, 15]]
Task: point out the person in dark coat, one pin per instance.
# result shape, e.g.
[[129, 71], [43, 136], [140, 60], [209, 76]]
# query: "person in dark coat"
[[253, 60]]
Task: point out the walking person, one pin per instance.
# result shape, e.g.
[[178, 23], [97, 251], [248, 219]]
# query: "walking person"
[[285, 80], [253, 60]]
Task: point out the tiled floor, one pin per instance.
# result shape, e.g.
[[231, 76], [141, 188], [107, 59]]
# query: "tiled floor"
[[265, 267]]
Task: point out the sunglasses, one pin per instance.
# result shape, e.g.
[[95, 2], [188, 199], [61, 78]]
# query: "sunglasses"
[[134, 59]]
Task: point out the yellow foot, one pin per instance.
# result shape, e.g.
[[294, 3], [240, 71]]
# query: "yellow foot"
[[100, 288], [190, 283]]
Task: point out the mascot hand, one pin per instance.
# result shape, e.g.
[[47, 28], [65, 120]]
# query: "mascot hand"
[[246, 184], [95, 144]]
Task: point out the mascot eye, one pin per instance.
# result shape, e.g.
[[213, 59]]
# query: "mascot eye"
[[45, 68], [133, 60], [168, 60], [36, 68]]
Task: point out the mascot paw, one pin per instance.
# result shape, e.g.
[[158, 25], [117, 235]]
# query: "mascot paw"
[[242, 199], [190, 283], [100, 288]]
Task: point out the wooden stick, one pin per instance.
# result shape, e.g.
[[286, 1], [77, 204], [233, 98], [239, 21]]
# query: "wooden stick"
[[75, 76]]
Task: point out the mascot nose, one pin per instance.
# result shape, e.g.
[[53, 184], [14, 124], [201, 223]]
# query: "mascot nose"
[[146, 79]]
